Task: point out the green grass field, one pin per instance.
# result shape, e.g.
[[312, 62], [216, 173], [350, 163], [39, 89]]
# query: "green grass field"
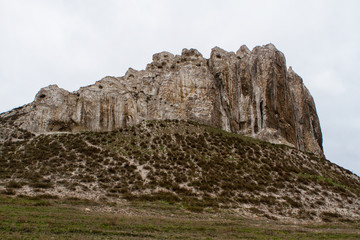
[[52, 218]]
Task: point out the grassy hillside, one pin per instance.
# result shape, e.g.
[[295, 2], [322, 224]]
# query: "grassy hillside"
[[184, 163]]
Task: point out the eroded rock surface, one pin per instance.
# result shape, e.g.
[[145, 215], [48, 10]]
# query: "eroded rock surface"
[[247, 92]]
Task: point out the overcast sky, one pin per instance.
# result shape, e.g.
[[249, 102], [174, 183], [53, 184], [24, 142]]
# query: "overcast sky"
[[73, 43]]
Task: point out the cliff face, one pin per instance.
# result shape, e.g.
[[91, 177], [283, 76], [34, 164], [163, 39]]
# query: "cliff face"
[[247, 92]]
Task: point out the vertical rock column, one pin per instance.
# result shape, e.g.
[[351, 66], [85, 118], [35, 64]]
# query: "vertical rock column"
[[308, 131]]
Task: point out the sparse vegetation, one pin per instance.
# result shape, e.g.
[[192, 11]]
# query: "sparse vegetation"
[[182, 162]]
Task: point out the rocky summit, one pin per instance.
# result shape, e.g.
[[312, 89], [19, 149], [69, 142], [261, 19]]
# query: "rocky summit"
[[248, 92]]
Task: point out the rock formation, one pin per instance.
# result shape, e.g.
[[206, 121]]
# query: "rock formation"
[[247, 92]]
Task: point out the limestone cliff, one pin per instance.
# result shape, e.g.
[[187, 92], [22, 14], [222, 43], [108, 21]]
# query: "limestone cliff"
[[247, 92]]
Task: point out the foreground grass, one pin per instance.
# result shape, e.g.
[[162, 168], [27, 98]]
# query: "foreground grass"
[[43, 218]]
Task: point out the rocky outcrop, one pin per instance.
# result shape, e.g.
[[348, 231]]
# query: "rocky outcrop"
[[308, 131], [247, 92]]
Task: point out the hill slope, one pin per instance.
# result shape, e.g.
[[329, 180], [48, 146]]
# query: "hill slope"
[[179, 161]]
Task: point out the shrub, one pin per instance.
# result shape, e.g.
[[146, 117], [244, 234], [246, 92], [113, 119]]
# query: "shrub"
[[256, 210], [320, 202], [41, 184], [42, 203], [269, 200], [14, 184], [330, 216], [292, 202], [8, 192]]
